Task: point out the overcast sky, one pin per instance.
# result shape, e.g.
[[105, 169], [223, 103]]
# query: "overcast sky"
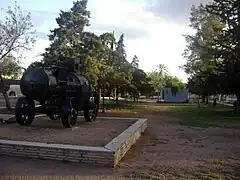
[[153, 28]]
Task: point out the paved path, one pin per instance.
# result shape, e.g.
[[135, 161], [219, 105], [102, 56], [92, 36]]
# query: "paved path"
[[2, 102]]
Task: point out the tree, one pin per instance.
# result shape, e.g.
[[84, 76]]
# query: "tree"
[[68, 38], [36, 64], [9, 67], [122, 75], [103, 58], [135, 62], [16, 35], [202, 65], [158, 78], [173, 81], [139, 81], [70, 41], [227, 47]]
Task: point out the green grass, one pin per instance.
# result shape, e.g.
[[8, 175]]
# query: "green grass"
[[206, 115], [189, 113]]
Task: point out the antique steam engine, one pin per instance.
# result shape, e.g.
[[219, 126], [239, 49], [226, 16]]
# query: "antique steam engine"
[[60, 92]]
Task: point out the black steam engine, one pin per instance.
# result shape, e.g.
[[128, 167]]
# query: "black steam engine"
[[61, 94]]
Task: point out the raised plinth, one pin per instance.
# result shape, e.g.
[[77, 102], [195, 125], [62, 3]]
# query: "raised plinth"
[[109, 155]]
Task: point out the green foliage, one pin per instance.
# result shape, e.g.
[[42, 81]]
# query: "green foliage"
[[212, 53], [160, 79], [173, 81], [9, 67], [103, 57], [16, 35], [15, 32]]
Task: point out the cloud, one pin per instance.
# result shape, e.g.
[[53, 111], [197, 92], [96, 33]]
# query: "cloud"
[[35, 53], [120, 16], [177, 11], [131, 33], [40, 17], [42, 35]]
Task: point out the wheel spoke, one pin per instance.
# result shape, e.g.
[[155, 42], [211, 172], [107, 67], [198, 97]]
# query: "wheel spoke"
[[23, 111]]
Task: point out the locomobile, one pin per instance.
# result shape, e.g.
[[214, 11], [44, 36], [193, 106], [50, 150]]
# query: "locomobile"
[[60, 92]]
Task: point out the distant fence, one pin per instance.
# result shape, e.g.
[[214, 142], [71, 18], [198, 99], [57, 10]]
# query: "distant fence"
[[11, 82]]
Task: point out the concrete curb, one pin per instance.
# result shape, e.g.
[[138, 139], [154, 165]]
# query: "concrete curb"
[[109, 155]]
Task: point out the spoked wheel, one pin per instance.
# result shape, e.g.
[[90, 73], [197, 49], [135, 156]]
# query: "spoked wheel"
[[91, 109], [24, 111], [53, 116], [68, 115]]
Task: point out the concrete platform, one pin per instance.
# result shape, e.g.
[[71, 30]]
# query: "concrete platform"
[[109, 155]]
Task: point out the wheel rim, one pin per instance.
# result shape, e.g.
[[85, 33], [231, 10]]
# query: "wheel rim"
[[23, 115], [93, 109], [55, 116], [73, 116]]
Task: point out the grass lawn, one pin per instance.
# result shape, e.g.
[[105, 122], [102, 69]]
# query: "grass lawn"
[[189, 113], [206, 115]]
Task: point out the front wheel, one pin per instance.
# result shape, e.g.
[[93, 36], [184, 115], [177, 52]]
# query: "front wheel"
[[91, 108], [68, 115], [12, 94], [24, 111]]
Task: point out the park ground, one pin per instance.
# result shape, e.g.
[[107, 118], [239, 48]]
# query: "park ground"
[[182, 141]]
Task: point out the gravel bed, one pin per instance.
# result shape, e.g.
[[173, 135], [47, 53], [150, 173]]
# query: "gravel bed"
[[97, 133]]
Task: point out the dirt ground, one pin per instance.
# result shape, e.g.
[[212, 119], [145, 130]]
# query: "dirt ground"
[[97, 133], [167, 150]]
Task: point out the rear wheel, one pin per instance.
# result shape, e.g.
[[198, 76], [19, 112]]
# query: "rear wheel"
[[91, 109], [24, 111]]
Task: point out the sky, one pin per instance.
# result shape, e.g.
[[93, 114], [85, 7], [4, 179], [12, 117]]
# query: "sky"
[[153, 29]]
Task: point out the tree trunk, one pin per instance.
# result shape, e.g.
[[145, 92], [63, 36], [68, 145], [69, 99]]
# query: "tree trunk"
[[99, 95], [103, 101], [4, 93], [206, 100], [203, 99], [116, 95], [134, 96], [220, 97], [237, 104], [214, 101], [198, 101], [159, 94]]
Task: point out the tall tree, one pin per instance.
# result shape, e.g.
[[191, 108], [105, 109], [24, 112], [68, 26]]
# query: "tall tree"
[[71, 41], [122, 75], [135, 61], [158, 78], [16, 35], [68, 38], [202, 65], [227, 48]]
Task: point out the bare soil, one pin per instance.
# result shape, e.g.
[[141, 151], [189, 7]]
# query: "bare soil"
[[97, 133], [167, 150]]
